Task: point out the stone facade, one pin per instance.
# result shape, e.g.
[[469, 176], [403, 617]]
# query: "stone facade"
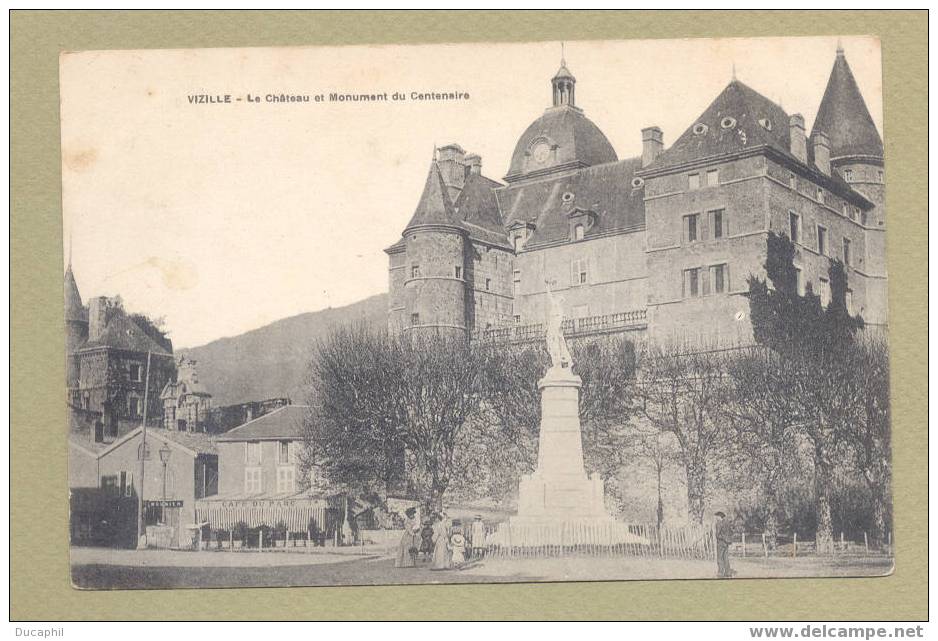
[[662, 244]]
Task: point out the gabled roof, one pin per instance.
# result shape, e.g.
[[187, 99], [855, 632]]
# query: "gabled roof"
[[434, 207], [605, 192], [742, 109], [843, 115], [477, 206], [74, 309], [121, 332], [287, 422]]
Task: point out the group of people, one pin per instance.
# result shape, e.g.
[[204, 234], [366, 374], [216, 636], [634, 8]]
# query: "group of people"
[[440, 542]]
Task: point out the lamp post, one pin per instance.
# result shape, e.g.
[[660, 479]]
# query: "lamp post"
[[165, 453]]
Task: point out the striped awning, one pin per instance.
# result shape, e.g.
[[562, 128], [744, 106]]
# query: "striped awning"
[[296, 511]]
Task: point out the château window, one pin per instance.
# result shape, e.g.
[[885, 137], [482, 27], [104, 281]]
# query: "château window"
[[848, 175], [718, 223], [519, 241], [580, 272], [690, 228], [693, 181], [283, 452], [825, 293], [252, 480], [792, 181], [517, 319], [415, 271], [713, 178], [136, 373], [458, 271], [821, 240], [719, 278], [415, 319], [799, 281], [134, 405], [578, 232], [820, 195], [850, 301], [879, 175], [862, 214], [488, 284], [847, 252], [691, 282], [794, 227]]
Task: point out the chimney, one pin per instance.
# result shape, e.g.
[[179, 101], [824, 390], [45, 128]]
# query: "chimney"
[[473, 164], [652, 144], [799, 143], [97, 317], [822, 152], [451, 160]]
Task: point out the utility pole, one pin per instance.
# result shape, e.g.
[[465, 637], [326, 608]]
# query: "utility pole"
[[142, 455]]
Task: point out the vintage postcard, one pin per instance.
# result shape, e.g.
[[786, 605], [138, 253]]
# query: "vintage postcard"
[[476, 313]]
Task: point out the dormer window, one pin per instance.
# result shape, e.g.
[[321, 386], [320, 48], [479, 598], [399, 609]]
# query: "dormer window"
[[728, 122], [637, 183], [567, 197], [518, 242], [415, 271], [700, 129], [578, 232], [766, 124], [848, 175]]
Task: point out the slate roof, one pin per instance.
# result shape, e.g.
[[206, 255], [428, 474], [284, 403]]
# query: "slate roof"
[[286, 422], [576, 137], [434, 207], [198, 442], [563, 72], [477, 206], [74, 309], [605, 190], [843, 115], [121, 332], [744, 105]]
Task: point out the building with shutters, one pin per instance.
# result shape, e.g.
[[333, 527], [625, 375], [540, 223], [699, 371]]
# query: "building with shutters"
[[661, 244]]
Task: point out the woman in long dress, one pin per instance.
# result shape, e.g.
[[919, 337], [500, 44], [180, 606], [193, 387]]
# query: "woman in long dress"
[[440, 544], [407, 550]]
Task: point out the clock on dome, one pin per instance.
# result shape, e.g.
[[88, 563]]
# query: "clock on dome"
[[541, 152]]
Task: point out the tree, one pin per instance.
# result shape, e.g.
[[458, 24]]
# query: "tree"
[[763, 421], [657, 449], [870, 430], [684, 393], [387, 400], [812, 344]]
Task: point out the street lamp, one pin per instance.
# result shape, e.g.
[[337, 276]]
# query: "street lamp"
[[165, 453]]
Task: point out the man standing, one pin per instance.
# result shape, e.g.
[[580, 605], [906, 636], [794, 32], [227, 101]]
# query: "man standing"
[[724, 537], [478, 537]]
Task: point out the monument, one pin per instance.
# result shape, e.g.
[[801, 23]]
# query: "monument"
[[559, 503], [559, 488]]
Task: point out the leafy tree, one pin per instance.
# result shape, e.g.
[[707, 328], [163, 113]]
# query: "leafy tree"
[[812, 345]]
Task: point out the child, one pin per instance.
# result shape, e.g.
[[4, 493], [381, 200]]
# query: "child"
[[457, 546]]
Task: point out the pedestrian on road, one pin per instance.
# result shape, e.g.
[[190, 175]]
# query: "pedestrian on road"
[[477, 537], [724, 536], [440, 543], [407, 549], [457, 546]]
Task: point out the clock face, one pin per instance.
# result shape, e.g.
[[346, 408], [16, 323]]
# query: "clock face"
[[541, 152]]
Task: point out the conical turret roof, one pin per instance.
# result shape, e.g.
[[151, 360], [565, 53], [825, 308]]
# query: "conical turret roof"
[[843, 115], [434, 207], [74, 309]]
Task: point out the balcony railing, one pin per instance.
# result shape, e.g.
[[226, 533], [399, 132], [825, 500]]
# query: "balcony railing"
[[572, 327]]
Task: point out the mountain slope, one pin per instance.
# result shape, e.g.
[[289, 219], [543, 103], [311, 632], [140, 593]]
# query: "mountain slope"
[[272, 361]]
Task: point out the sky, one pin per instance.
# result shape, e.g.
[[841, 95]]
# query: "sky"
[[221, 218]]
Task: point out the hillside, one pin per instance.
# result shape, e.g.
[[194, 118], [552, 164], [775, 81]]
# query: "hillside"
[[272, 361]]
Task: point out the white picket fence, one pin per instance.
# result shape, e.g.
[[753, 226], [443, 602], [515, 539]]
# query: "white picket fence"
[[600, 539]]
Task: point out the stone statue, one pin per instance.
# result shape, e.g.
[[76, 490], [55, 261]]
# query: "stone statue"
[[556, 343]]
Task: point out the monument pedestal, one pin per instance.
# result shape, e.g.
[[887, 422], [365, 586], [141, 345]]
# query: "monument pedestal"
[[559, 489], [559, 505]]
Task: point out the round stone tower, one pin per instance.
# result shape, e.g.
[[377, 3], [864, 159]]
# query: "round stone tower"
[[434, 281], [76, 327]]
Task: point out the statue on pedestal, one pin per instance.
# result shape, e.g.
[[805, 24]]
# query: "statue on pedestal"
[[556, 343]]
